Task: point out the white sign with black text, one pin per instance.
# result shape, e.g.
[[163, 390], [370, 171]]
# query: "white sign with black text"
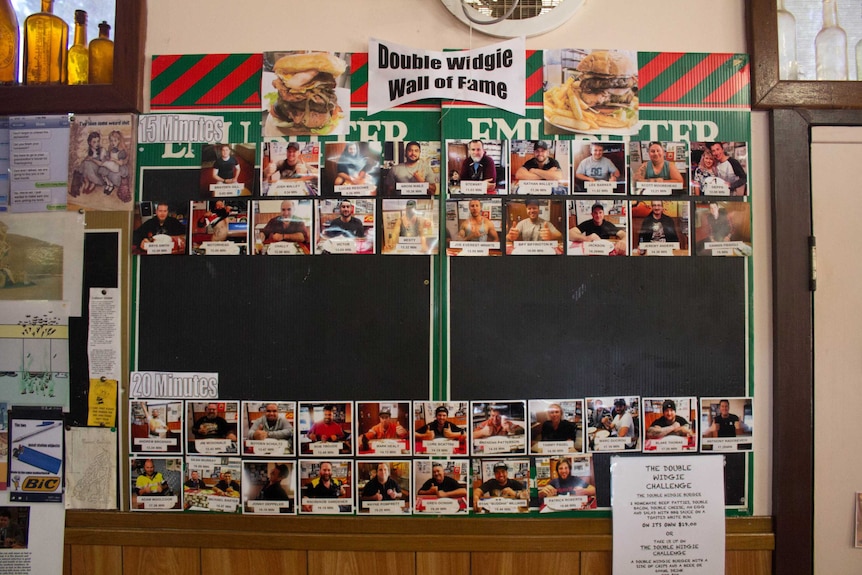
[[669, 511]]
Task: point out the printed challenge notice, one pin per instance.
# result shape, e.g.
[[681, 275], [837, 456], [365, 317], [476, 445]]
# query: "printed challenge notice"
[[670, 512]]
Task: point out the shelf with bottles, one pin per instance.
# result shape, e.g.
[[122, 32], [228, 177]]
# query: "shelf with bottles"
[[125, 94]]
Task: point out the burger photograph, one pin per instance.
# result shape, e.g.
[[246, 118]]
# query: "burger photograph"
[[305, 93], [591, 92]]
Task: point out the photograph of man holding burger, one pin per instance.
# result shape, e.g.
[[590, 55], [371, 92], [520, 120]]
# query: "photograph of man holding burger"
[[300, 93]]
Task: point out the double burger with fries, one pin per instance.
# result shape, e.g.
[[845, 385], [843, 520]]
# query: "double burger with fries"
[[304, 101], [601, 96]]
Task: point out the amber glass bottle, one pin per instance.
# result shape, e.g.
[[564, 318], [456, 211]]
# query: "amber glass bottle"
[[9, 41], [79, 53], [102, 56], [46, 41]]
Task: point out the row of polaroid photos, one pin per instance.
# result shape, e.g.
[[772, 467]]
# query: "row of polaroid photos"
[[477, 227], [291, 168], [480, 428], [384, 486]]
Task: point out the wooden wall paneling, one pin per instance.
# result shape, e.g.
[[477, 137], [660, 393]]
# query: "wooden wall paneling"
[[362, 562], [748, 562], [433, 563], [234, 561], [598, 563], [67, 560], [505, 563], [94, 559], [149, 560]]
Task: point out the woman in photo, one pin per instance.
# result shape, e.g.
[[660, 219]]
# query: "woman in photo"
[[703, 173]]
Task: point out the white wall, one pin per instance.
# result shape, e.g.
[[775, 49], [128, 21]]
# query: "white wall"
[[224, 26]]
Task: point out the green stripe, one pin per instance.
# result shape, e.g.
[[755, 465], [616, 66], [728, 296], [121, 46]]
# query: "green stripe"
[[212, 80], [242, 92], [359, 77], [170, 74], [669, 77]]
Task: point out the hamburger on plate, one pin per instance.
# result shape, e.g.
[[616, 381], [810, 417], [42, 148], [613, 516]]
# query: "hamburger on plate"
[[304, 101], [600, 96]]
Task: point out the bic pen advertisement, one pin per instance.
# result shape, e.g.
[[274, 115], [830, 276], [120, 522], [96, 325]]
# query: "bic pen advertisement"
[[36, 455]]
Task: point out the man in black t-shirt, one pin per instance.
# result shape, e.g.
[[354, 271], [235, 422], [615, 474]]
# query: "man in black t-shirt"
[[598, 228], [725, 423]]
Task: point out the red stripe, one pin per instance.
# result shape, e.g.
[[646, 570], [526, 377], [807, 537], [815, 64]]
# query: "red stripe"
[[533, 85], [359, 96], [656, 66], [162, 63], [692, 78], [230, 82], [701, 105], [731, 87], [253, 99], [193, 108], [188, 79], [358, 60]]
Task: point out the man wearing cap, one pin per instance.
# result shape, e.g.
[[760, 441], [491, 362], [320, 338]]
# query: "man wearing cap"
[[440, 427], [411, 225], [597, 228], [622, 424], [412, 170], [541, 166], [386, 429], [286, 227], [669, 424], [596, 167], [500, 486], [534, 228], [291, 167]]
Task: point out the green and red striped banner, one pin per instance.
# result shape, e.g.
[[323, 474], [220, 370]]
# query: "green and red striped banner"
[[205, 81], [694, 80]]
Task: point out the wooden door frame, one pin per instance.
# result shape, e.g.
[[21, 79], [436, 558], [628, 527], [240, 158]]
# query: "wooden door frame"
[[793, 333]]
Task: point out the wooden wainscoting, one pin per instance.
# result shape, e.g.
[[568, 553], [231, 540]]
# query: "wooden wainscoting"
[[115, 543]]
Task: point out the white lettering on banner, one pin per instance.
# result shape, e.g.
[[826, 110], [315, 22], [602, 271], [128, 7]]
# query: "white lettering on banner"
[[184, 151], [676, 130], [499, 129], [154, 128], [370, 131], [173, 385], [493, 75]]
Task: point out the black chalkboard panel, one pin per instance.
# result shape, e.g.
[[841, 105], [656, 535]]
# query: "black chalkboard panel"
[[554, 327], [100, 269], [295, 328]]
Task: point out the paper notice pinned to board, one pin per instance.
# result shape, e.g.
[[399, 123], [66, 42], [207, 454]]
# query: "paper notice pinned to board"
[[102, 403], [103, 336]]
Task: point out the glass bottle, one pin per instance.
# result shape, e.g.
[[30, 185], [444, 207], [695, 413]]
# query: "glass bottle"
[[102, 56], [859, 60], [9, 41], [830, 45], [79, 53], [788, 67], [46, 41]]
